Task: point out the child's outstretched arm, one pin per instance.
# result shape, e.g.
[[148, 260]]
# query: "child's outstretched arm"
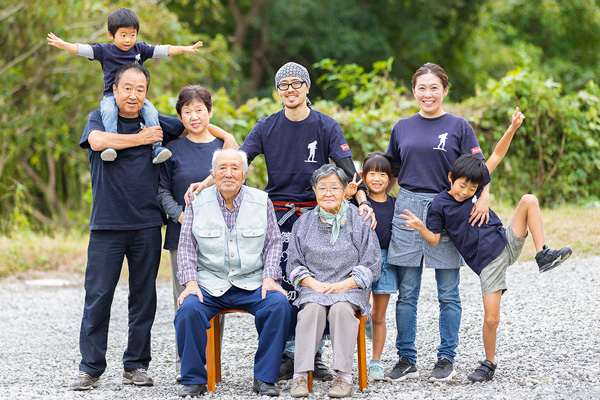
[[57, 42], [504, 142], [176, 50], [412, 221]]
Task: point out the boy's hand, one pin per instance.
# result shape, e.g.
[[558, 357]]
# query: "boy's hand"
[[517, 119], [412, 221], [55, 41], [193, 48]]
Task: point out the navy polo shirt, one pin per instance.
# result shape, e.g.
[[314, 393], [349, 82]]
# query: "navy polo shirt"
[[190, 162], [479, 245], [426, 148], [294, 150], [124, 190]]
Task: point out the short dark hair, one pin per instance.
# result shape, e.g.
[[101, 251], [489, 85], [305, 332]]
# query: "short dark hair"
[[379, 162], [470, 167], [122, 18], [132, 65], [190, 93], [431, 68]]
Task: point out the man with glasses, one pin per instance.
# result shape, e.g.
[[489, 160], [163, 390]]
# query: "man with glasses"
[[296, 141]]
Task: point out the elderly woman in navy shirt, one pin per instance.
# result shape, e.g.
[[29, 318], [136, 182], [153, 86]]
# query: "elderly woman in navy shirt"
[[190, 162], [333, 258]]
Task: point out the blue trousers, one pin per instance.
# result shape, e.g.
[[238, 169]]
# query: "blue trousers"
[[271, 318], [106, 251]]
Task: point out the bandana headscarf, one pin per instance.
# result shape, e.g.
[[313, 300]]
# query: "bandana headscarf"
[[295, 70]]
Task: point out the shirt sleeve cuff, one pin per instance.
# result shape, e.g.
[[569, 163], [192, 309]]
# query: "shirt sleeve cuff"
[[161, 51], [298, 274], [362, 276], [85, 50]]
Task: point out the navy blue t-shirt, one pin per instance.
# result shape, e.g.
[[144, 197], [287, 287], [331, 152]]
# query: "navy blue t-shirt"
[[124, 190], [478, 245], [111, 58], [294, 150], [190, 162], [426, 148], [385, 214]]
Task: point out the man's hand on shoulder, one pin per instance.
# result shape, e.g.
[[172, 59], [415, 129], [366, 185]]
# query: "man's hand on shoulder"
[[270, 284], [369, 213], [191, 287]]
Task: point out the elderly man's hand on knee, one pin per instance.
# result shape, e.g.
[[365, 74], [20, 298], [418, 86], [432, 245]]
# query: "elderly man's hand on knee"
[[270, 284], [191, 287]]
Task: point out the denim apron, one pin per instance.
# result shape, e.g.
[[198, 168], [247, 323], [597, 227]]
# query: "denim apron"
[[407, 246]]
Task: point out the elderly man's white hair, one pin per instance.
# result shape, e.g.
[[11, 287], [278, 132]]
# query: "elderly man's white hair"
[[241, 153]]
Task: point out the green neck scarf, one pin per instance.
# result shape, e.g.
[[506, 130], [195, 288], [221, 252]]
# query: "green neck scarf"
[[335, 220]]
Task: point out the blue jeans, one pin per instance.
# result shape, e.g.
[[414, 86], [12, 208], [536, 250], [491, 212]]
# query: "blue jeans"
[[409, 284], [110, 113]]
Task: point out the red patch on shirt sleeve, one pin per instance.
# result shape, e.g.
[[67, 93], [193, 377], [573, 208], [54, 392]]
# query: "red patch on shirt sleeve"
[[345, 147], [476, 150]]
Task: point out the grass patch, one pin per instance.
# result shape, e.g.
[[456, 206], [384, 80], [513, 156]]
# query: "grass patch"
[[28, 252]]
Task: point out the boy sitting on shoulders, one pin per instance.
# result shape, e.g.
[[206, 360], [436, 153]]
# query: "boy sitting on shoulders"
[[488, 249]]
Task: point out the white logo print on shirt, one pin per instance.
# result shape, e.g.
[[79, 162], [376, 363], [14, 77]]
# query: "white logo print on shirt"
[[442, 143], [312, 147]]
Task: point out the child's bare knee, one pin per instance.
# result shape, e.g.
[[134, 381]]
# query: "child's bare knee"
[[530, 200], [491, 321]]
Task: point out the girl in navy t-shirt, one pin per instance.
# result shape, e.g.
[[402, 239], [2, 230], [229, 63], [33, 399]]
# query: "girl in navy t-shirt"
[[377, 174]]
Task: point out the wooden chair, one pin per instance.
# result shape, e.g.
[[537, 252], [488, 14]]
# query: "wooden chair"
[[213, 348], [213, 351], [362, 355]]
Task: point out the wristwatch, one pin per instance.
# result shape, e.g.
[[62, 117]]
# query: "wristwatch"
[[367, 202]]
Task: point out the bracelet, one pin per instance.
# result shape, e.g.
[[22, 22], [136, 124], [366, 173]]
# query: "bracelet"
[[367, 202]]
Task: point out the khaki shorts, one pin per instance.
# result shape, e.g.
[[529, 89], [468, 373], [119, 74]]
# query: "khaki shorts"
[[493, 275]]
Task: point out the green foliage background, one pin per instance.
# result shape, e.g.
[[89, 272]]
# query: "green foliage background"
[[539, 55]]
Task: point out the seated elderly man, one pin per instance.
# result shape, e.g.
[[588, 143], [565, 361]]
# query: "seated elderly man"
[[229, 252]]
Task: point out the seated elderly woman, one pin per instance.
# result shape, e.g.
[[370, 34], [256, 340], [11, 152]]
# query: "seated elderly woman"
[[333, 257]]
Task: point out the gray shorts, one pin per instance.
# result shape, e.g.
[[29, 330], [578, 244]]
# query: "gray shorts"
[[493, 275]]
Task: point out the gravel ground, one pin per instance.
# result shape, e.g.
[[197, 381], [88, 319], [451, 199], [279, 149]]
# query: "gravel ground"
[[548, 342]]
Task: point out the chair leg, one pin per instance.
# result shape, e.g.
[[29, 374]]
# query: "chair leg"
[[217, 338], [362, 354], [310, 382], [211, 355]]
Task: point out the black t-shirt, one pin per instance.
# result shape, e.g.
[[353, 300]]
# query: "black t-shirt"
[[384, 212], [124, 190], [478, 245], [294, 150], [190, 162]]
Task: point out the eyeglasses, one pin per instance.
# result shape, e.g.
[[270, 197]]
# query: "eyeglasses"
[[295, 85], [334, 190]]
